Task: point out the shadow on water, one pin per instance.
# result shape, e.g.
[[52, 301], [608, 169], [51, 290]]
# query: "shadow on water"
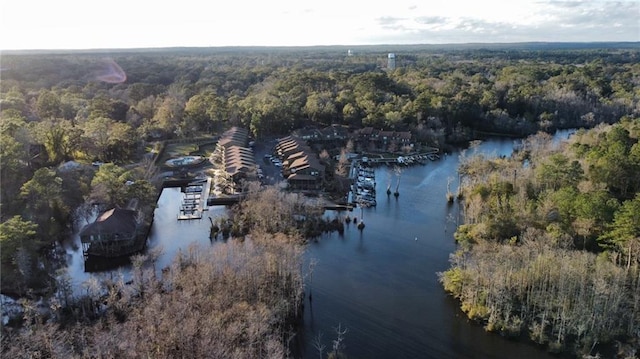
[[98, 264]]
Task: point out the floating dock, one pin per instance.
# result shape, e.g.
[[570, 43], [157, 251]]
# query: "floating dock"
[[194, 200]]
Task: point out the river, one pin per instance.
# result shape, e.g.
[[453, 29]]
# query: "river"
[[380, 283]]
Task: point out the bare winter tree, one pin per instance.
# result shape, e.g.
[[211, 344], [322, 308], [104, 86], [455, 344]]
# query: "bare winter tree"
[[338, 344], [319, 345]]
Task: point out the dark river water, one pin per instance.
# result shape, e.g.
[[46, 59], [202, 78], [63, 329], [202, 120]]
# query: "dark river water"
[[380, 283]]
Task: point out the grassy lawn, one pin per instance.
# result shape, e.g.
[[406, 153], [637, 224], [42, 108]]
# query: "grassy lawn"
[[180, 149], [207, 149]]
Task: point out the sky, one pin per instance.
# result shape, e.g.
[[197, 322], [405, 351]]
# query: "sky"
[[82, 24]]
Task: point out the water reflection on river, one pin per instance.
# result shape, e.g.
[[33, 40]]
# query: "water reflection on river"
[[380, 283]]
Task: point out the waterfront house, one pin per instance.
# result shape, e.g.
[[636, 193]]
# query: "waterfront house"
[[301, 167], [307, 134], [384, 140], [302, 181], [334, 132], [405, 138], [304, 173], [114, 233], [385, 137], [367, 133]]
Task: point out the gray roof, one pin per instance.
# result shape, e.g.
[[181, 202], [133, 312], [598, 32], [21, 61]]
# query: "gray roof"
[[114, 221]]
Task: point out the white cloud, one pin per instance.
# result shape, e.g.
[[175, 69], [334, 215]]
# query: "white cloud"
[[130, 23], [516, 21]]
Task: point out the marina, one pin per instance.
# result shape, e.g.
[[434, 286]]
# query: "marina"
[[194, 200], [406, 160], [364, 187], [362, 174]]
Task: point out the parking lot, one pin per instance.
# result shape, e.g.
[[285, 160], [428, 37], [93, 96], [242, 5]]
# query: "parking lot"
[[271, 170]]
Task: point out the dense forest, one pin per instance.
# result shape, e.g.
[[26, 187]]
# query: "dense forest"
[[564, 222], [62, 111]]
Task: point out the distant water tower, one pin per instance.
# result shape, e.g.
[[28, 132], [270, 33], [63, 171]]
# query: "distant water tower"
[[391, 62]]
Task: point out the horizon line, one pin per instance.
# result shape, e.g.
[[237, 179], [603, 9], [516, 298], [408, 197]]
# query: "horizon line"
[[450, 44]]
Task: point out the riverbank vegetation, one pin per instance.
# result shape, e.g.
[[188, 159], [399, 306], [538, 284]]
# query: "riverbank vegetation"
[[271, 210], [550, 245], [237, 300]]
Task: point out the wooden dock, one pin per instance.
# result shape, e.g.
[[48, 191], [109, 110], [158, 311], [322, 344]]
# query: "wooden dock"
[[225, 200], [194, 200]]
